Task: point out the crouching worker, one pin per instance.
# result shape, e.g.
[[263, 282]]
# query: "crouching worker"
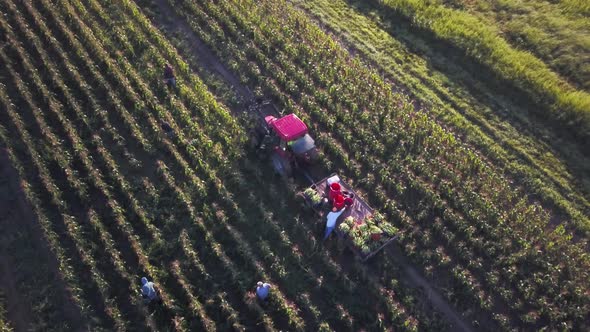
[[169, 77], [149, 293], [262, 290]]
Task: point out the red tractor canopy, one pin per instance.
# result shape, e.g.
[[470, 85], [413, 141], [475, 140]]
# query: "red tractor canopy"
[[288, 128]]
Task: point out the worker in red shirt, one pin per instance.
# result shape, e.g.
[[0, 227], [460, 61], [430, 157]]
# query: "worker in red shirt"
[[169, 77]]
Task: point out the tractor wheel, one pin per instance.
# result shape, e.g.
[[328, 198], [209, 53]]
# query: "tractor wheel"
[[281, 165]]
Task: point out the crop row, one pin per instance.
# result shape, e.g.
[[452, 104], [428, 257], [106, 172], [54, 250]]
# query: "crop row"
[[421, 168], [121, 142], [509, 144], [95, 175]]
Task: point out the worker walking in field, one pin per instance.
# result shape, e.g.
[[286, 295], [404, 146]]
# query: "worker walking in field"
[[167, 128], [262, 290], [331, 222], [149, 293], [169, 77]]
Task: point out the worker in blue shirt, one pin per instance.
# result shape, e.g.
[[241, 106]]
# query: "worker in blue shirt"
[[148, 291], [262, 290]]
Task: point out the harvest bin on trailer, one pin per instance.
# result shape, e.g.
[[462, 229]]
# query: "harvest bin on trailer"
[[360, 212]]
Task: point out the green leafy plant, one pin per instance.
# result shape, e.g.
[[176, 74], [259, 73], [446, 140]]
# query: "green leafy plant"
[[313, 196]]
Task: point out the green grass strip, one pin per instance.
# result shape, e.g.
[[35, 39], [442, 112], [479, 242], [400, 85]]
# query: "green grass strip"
[[564, 103], [581, 7]]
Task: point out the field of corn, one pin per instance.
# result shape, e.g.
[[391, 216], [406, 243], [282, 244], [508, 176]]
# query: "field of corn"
[[95, 195]]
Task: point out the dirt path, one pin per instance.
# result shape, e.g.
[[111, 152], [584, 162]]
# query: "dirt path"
[[170, 23], [17, 218], [415, 279]]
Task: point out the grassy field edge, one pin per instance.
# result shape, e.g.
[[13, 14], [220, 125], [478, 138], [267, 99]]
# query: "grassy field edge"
[[564, 103]]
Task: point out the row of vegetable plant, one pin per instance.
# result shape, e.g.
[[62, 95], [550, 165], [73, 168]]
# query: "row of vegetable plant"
[[509, 144], [469, 157], [96, 176]]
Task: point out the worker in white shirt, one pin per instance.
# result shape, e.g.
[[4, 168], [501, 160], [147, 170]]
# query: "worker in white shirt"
[[149, 292], [331, 222]]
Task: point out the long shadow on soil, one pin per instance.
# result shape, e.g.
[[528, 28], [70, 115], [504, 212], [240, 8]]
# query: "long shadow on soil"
[[30, 224], [441, 54]]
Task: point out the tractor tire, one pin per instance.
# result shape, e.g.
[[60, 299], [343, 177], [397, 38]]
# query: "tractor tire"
[[281, 166]]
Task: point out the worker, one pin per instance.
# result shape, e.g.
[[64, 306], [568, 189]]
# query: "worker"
[[262, 290], [167, 128], [169, 77], [149, 292], [331, 222]]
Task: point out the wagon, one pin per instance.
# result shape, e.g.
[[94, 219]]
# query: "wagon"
[[316, 198]]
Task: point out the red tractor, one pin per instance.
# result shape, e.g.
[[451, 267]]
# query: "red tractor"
[[285, 140]]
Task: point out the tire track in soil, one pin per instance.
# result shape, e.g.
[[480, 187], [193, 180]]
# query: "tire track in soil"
[[169, 22], [15, 214]]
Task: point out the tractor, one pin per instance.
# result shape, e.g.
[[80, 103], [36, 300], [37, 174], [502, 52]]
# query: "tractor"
[[285, 140]]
